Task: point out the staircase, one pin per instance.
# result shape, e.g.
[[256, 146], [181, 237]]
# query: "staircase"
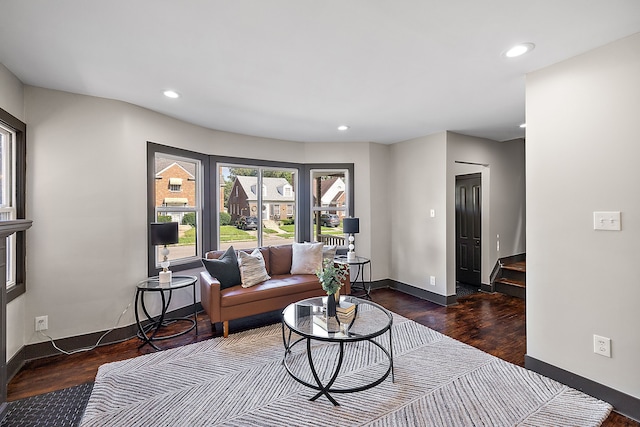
[[511, 276]]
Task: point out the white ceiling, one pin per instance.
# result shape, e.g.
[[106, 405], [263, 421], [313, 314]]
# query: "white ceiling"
[[296, 69]]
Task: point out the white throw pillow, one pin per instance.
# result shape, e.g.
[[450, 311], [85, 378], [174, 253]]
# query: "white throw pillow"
[[306, 258], [252, 268]]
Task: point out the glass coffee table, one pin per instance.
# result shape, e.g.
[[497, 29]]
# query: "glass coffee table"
[[305, 322]]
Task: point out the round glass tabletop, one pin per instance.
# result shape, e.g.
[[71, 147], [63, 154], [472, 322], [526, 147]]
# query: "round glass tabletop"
[[356, 319], [153, 283]]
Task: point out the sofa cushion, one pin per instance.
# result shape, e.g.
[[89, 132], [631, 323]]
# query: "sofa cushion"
[[306, 258], [280, 259], [252, 268], [277, 286], [225, 268]]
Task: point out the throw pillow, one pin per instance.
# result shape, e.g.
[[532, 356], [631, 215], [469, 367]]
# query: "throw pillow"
[[306, 258], [224, 269], [329, 251], [252, 268]]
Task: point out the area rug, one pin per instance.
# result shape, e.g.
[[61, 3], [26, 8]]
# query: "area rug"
[[240, 381]]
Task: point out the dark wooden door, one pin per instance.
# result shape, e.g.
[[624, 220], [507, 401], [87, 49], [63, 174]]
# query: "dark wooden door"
[[468, 227]]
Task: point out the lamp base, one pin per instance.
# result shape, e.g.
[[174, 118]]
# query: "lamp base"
[[351, 256], [164, 276]]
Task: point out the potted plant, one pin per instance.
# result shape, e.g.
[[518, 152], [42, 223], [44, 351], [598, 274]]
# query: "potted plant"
[[331, 276]]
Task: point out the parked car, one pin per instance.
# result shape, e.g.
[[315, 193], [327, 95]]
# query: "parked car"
[[248, 223], [329, 220]]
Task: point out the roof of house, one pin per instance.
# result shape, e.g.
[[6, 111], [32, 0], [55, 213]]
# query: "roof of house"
[[274, 188], [163, 163]]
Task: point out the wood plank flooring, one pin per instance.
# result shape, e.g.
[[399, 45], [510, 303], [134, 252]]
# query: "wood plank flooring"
[[494, 323]]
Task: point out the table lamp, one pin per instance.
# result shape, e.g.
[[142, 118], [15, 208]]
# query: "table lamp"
[[164, 233], [351, 226]]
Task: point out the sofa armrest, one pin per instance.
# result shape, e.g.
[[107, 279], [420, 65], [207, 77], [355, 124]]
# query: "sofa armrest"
[[210, 296]]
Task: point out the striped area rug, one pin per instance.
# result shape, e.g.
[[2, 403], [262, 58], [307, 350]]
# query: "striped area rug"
[[240, 381]]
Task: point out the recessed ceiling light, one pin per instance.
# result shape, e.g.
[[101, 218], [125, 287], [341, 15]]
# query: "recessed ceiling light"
[[171, 94], [343, 127], [524, 125], [519, 49]]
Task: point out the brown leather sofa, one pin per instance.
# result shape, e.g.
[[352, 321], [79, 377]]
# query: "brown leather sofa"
[[281, 290]]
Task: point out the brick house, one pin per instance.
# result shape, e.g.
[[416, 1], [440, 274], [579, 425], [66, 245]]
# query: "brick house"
[[175, 185]]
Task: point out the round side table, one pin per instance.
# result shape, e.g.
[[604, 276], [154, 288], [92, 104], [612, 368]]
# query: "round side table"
[[148, 332], [358, 283]]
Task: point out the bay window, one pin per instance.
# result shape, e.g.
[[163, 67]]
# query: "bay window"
[[220, 202]]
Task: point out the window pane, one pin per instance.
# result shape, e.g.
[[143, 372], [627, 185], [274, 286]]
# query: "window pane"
[[239, 201], [279, 206], [6, 168], [7, 197], [177, 199], [258, 206], [329, 205], [187, 236]]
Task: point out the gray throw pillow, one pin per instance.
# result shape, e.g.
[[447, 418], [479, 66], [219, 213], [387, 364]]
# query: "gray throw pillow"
[[224, 269]]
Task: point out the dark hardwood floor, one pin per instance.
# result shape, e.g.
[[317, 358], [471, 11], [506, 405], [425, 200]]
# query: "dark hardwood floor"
[[494, 323]]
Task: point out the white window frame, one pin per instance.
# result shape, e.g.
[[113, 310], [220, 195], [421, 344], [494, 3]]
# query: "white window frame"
[[345, 207], [197, 209], [8, 199]]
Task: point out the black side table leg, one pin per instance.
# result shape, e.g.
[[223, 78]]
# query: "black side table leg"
[[195, 308], [142, 332], [393, 377], [156, 323], [325, 389]]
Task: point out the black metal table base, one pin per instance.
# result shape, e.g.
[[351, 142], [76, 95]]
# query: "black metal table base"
[[148, 332], [326, 389], [359, 287]]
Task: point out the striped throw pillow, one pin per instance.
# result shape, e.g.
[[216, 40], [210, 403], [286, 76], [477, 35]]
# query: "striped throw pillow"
[[252, 268]]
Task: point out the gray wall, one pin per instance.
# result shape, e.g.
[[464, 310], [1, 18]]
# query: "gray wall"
[[417, 185], [423, 178], [582, 156]]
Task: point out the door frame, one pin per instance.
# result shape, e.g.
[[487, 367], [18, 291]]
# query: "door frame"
[[477, 176], [465, 167]]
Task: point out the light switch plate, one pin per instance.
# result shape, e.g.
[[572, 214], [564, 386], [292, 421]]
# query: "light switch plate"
[[608, 221]]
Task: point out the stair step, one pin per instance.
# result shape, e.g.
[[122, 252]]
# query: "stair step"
[[520, 266], [511, 282]]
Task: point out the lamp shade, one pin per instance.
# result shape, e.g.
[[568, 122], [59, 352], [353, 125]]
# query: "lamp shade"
[[351, 225], [163, 233]]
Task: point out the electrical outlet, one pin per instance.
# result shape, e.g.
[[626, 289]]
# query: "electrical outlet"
[[432, 280], [602, 345], [42, 323]]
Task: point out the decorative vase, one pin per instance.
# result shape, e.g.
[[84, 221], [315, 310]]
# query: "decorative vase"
[[331, 306]]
